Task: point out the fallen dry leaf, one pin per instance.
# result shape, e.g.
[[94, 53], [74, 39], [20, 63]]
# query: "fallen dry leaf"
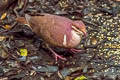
[[3, 54], [3, 16], [7, 27], [2, 38]]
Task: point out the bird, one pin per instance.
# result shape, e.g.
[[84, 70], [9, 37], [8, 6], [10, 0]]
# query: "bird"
[[56, 31]]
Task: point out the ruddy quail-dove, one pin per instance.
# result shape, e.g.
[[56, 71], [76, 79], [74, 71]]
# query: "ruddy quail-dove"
[[57, 30]]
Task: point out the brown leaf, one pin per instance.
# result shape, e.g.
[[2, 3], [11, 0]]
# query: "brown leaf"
[[3, 16]]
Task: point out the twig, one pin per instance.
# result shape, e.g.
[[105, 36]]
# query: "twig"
[[89, 22]]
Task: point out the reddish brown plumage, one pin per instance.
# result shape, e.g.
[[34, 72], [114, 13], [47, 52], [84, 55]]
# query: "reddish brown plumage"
[[52, 29], [56, 30]]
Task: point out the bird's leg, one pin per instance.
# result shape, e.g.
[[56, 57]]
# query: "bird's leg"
[[56, 55], [76, 50]]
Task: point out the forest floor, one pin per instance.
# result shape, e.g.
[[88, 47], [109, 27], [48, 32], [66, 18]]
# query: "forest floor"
[[24, 57]]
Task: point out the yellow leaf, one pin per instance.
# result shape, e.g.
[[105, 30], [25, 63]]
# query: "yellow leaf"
[[81, 78], [23, 52], [3, 16], [7, 27]]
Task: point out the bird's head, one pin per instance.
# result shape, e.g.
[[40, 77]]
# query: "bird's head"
[[79, 28]]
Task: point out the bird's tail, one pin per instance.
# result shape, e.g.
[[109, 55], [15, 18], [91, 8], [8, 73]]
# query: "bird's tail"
[[24, 20]]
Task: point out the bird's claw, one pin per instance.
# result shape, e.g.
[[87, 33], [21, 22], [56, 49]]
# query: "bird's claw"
[[58, 56]]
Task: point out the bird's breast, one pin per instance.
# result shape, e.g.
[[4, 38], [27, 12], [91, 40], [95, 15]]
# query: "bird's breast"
[[75, 39]]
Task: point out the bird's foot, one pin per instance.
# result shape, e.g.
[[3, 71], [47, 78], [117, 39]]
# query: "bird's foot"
[[56, 55], [76, 50]]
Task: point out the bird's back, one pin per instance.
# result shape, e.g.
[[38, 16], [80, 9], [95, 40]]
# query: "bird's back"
[[51, 28]]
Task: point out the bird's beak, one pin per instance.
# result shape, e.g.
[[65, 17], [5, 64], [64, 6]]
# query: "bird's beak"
[[85, 33], [80, 26]]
